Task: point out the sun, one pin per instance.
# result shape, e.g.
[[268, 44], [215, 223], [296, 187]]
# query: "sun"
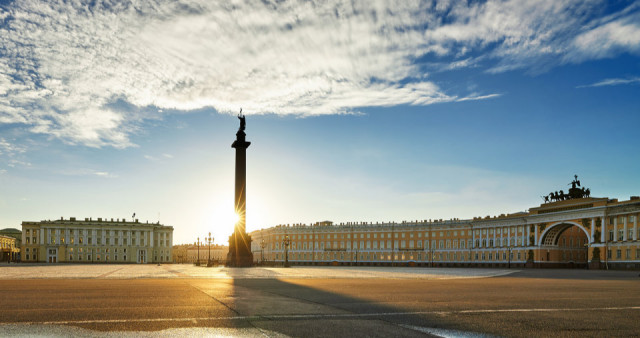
[[222, 222]]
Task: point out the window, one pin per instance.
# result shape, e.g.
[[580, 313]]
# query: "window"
[[609, 253], [610, 235], [621, 235], [618, 254]]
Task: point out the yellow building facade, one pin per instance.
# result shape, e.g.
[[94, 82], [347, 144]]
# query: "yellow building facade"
[[9, 251], [598, 232], [96, 241], [192, 253]]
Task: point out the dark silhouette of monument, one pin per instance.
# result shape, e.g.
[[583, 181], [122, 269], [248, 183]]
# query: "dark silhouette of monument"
[[574, 193], [240, 242]]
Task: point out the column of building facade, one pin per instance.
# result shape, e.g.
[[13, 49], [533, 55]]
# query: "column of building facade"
[[41, 236], [486, 240], [635, 227], [593, 229], [473, 238], [603, 229], [494, 236], [535, 234], [151, 238], [625, 237], [615, 229]]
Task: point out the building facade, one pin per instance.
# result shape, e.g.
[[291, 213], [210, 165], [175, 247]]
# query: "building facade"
[[575, 232], [192, 253], [9, 249], [96, 241]]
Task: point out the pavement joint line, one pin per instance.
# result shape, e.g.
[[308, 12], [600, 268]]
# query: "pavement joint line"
[[214, 298], [109, 273], [315, 316]]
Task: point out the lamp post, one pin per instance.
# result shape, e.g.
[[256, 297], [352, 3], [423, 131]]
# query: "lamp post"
[[431, 254], [198, 244], [286, 243], [586, 254], [210, 239], [262, 245], [509, 264]]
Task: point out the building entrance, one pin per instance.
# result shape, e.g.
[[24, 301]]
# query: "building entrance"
[[142, 256], [52, 256], [564, 246]]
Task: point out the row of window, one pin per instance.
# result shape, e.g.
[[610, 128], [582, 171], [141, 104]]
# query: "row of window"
[[449, 233], [618, 253], [620, 219], [620, 235], [386, 256], [440, 244], [125, 238]]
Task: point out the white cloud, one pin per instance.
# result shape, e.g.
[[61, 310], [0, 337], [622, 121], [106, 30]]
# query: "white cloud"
[[9, 148], [475, 97], [3, 171], [613, 82], [104, 174], [66, 67], [622, 34]]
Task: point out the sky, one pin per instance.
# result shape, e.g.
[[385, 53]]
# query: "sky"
[[357, 110]]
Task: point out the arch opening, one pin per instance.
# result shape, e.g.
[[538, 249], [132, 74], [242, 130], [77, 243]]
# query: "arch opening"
[[563, 246]]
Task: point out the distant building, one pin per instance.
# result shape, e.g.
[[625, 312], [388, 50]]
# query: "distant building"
[[10, 245], [188, 253], [96, 241], [572, 232]]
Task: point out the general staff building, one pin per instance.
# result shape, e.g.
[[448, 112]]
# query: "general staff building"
[[578, 232]]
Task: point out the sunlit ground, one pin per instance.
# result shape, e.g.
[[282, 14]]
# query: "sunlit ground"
[[125, 271]]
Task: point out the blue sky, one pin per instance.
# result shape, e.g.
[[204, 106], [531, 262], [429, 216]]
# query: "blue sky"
[[363, 111]]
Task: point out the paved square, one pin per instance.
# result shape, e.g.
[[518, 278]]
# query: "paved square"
[[134, 300]]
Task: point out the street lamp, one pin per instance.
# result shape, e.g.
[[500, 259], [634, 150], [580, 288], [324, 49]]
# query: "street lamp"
[[286, 243], [586, 254], [432, 254], [262, 245], [210, 239], [198, 244]]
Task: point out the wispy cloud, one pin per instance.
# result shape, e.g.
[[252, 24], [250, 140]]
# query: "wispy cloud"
[[88, 172], [10, 149], [104, 174], [613, 82], [65, 66], [158, 158], [474, 97]]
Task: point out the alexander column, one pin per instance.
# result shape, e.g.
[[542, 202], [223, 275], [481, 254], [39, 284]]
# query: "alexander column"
[[240, 242]]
